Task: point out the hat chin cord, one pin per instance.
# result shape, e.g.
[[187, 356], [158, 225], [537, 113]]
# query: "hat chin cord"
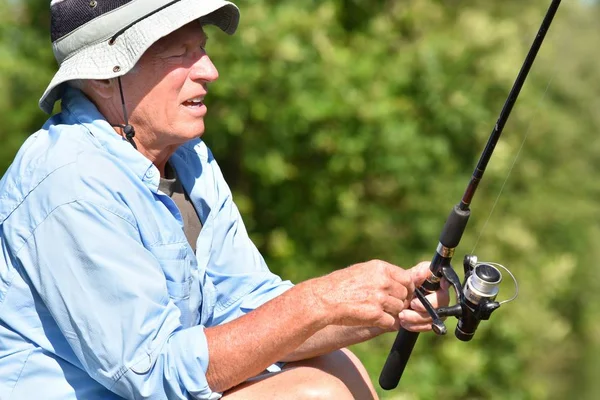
[[127, 129]]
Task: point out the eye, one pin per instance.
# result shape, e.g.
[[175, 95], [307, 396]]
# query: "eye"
[[175, 53]]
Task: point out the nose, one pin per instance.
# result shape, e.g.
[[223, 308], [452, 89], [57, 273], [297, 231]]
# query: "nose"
[[204, 70]]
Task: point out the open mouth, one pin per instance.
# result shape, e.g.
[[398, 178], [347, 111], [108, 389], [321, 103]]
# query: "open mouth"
[[194, 103]]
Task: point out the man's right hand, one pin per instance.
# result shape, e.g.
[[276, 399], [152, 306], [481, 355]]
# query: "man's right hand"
[[370, 294]]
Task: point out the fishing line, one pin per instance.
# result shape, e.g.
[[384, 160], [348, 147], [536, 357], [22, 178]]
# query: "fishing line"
[[516, 158]]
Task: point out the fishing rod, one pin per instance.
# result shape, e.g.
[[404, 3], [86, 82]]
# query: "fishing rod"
[[476, 295]]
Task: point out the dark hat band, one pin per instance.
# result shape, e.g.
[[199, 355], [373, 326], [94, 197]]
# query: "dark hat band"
[[68, 15]]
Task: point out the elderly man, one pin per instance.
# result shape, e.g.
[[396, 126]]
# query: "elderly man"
[[126, 270]]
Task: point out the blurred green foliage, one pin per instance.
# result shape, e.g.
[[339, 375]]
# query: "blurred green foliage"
[[348, 129]]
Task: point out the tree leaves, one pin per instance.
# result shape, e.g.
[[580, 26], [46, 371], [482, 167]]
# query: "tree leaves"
[[348, 129]]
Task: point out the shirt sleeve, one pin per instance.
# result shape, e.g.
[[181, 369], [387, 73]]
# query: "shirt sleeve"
[[109, 298], [236, 267]]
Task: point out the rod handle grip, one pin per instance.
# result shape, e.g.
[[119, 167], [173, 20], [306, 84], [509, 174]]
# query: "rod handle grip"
[[397, 359]]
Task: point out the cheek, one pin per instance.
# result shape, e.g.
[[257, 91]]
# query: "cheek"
[[161, 103], [161, 84], [167, 95], [158, 97]]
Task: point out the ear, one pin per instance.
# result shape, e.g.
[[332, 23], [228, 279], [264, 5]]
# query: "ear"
[[104, 88]]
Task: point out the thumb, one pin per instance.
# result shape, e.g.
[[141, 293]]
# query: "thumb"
[[420, 272]]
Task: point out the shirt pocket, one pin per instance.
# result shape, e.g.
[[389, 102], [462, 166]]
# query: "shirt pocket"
[[181, 277], [179, 291]]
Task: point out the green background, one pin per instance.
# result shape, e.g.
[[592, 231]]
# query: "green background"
[[348, 129]]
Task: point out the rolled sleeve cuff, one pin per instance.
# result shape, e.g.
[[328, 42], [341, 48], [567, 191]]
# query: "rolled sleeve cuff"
[[189, 351], [176, 371]]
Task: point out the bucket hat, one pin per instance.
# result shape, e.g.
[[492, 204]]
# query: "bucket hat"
[[103, 39]]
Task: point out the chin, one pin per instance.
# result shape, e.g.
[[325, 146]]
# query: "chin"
[[192, 130]]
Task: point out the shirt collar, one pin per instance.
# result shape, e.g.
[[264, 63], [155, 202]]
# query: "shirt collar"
[[78, 109]]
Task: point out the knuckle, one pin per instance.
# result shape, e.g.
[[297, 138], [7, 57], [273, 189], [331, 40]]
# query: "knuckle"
[[380, 265], [407, 279], [380, 279], [403, 293], [379, 297]]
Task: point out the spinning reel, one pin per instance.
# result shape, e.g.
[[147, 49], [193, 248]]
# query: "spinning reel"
[[476, 297]]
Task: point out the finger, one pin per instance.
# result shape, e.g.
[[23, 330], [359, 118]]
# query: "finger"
[[388, 322], [413, 321], [416, 328], [420, 272], [441, 298], [412, 317], [444, 284], [404, 278], [416, 305], [398, 290], [394, 306]]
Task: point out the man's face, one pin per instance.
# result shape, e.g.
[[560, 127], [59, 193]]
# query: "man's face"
[[165, 92]]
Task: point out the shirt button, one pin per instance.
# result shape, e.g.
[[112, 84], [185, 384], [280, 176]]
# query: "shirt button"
[[150, 174]]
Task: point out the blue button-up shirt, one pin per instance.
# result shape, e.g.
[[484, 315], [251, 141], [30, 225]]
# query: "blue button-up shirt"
[[101, 295]]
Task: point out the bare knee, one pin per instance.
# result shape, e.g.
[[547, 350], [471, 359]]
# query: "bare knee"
[[293, 383], [338, 375], [321, 386], [340, 367]]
